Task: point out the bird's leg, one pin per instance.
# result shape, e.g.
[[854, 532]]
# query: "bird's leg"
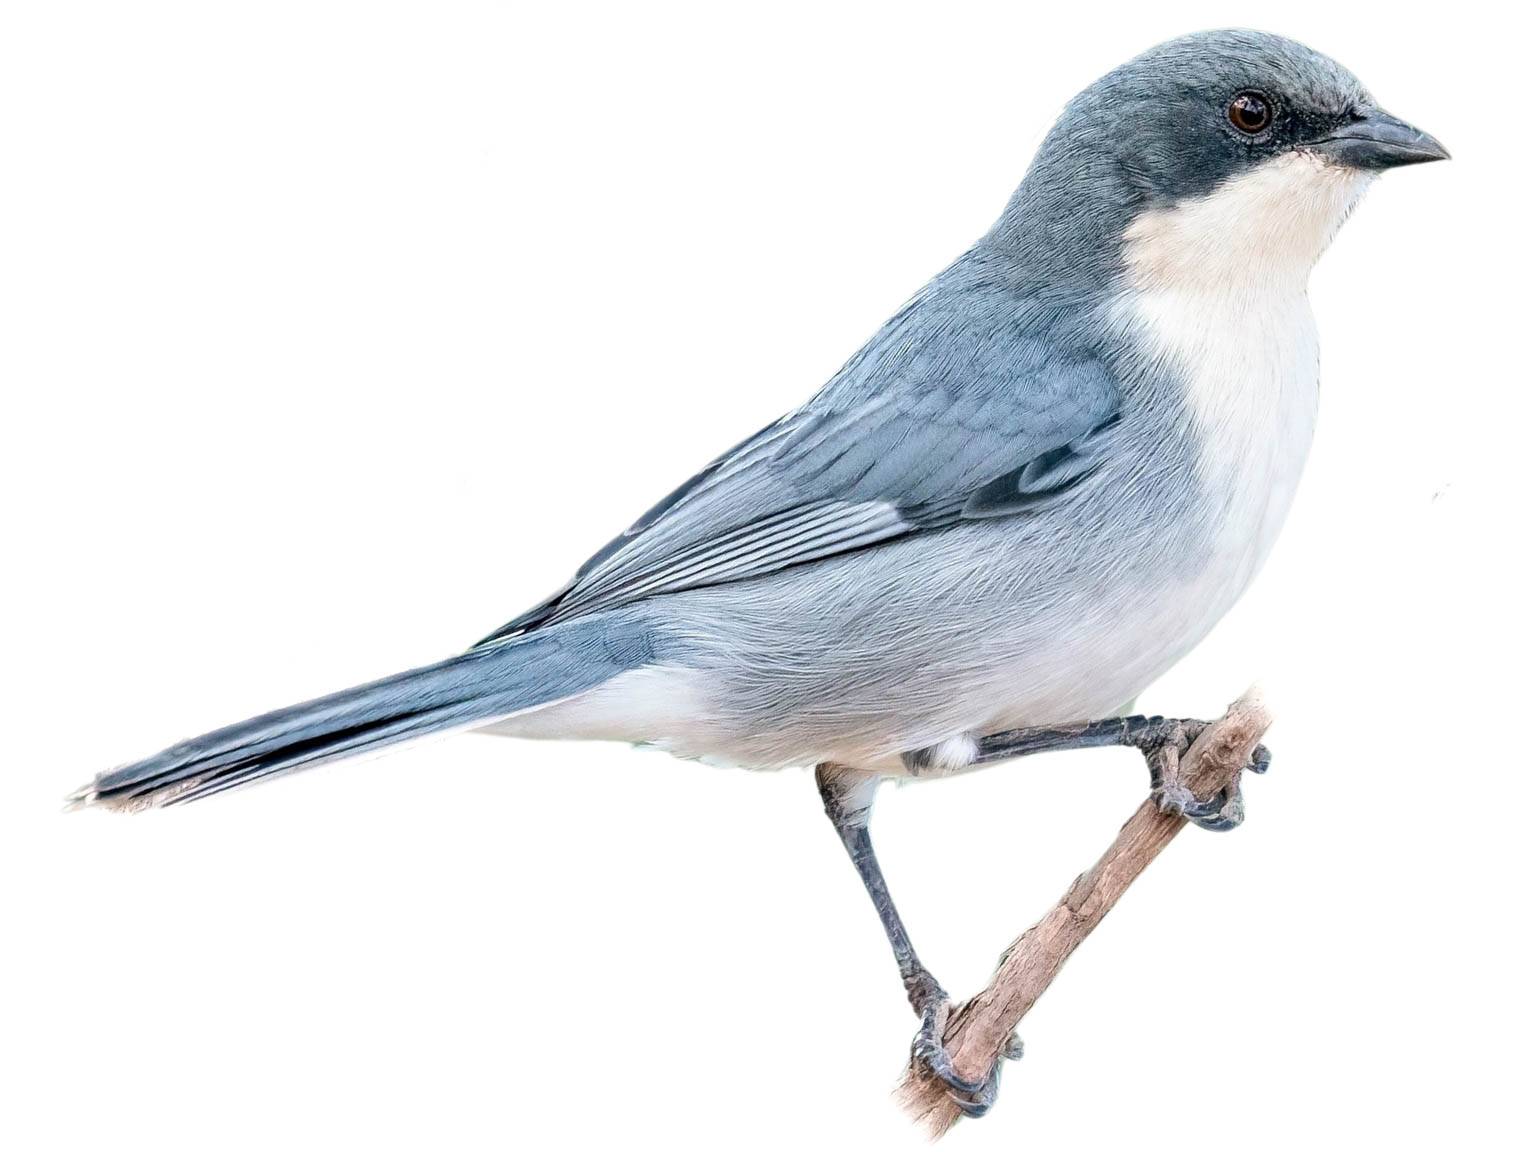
[[1161, 742], [848, 796]]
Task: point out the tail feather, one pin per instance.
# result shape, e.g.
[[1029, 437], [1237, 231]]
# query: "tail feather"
[[477, 687]]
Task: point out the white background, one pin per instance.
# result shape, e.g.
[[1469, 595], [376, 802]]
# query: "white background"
[[334, 335]]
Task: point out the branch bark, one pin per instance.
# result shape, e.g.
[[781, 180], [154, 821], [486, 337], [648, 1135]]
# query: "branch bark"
[[977, 1031]]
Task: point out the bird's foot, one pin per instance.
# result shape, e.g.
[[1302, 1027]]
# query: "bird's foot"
[[1163, 742], [973, 1097]]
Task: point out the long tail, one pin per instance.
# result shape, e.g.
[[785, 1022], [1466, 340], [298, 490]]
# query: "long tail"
[[468, 690]]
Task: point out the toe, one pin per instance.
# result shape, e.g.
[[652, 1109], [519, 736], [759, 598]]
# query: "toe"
[[928, 1052], [978, 1103], [939, 1067], [1202, 810], [974, 1098], [1227, 817]]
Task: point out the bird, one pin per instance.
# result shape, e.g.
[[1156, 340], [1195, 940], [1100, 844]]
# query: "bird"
[[1028, 495]]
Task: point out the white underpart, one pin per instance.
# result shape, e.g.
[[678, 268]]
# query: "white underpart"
[[656, 704], [1215, 288], [952, 754], [1218, 285]]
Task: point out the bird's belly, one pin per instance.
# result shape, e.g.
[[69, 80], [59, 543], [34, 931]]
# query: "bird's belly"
[[1093, 666], [828, 674], [1247, 396], [1096, 618], [988, 629], [1066, 615]]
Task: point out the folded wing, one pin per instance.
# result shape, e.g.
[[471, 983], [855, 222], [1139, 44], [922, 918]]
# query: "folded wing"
[[952, 412]]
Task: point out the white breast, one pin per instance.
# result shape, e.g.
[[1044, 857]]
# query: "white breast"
[[1250, 373], [1217, 288]]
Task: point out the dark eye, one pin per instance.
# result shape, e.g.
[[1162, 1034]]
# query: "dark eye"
[[1249, 112]]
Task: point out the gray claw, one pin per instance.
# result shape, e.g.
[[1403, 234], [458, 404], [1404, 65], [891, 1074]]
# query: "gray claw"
[[1166, 743], [1221, 813], [928, 1050], [974, 1098], [979, 1103], [1227, 817]]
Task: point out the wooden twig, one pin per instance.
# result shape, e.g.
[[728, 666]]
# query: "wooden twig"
[[976, 1033]]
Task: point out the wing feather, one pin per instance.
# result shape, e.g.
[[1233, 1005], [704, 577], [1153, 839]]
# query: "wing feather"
[[952, 412]]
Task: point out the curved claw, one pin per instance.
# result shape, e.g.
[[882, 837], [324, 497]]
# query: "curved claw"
[[1221, 813], [1175, 798], [928, 1050], [1162, 743], [974, 1098], [977, 1104], [1227, 818]]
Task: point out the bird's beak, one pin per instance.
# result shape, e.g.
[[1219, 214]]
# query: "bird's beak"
[[1377, 141]]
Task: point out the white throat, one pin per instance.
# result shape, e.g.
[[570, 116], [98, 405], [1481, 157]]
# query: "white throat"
[[1217, 289], [1258, 233]]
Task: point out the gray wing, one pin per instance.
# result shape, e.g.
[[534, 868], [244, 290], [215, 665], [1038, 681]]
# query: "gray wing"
[[952, 412]]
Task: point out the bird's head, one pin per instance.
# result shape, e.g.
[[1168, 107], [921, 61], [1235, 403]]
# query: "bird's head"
[[1216, 154]]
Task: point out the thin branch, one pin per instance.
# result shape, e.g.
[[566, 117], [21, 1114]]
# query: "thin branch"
[[977, 1032]]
